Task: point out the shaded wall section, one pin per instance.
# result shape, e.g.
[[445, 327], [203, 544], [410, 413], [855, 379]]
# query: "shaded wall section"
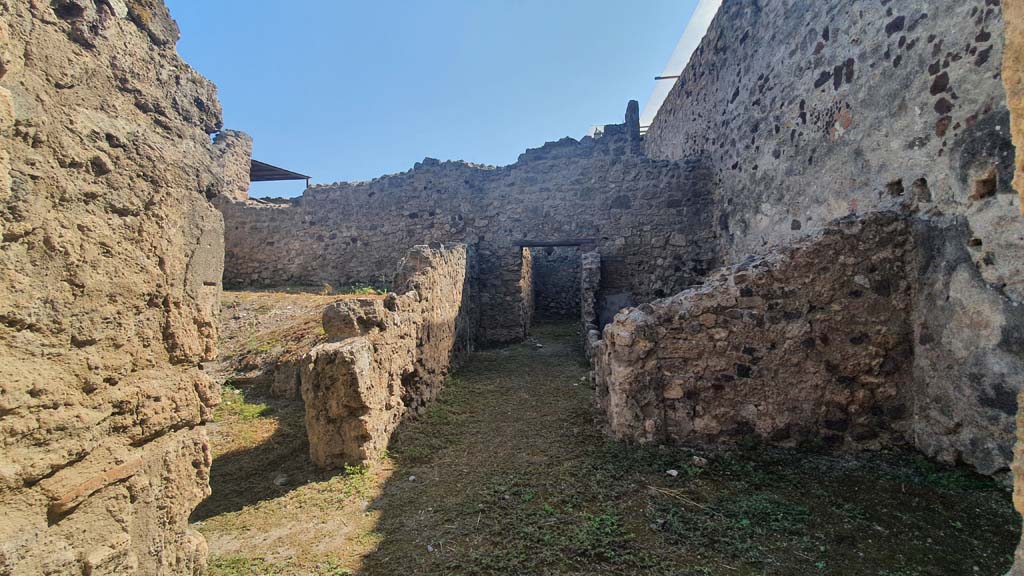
[[111, 258], [556, 282], [590, 283]]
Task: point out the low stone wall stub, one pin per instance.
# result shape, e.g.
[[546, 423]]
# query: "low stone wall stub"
[[348, 414], [387, 358], [807, 344]]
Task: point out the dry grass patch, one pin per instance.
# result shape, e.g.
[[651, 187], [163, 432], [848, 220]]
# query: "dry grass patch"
[[507, 473]]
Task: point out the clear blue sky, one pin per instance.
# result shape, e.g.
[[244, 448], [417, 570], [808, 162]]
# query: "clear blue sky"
[[346, 90]]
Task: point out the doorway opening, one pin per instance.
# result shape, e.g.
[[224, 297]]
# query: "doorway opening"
[[551, 281]]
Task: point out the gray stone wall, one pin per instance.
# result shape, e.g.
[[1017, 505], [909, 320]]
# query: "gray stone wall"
[[526, 293], [811, 343], [556, 282], [808, 111], [649, 220]]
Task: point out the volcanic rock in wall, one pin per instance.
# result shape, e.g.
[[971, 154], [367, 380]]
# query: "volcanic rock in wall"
[[110, 264], [875, 106]]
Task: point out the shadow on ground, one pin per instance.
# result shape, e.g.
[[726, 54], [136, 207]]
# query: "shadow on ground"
[[260, 449], [507, 473], [511, 476]]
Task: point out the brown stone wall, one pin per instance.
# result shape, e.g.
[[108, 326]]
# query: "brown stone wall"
[[1013, 78], [234, 155], [111, 259], [809, 110], [387, 357], [634, 208], [810, 343], [526, 293]]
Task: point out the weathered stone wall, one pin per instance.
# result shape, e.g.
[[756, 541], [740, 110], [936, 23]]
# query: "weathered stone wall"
[[387, 357], [605, 189], [809, 343], [234, 153], [525, 295], [1013, 78], [590, 281], [111, 259], [556, 282], [811, 110]]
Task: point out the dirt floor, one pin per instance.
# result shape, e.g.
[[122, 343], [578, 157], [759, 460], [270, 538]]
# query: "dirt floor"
[[508, 474]]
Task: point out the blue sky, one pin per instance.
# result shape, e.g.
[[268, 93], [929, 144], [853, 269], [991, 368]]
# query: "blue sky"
[[346, 90]]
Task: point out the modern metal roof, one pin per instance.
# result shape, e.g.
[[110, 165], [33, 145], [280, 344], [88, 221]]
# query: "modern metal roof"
[[263, 172]]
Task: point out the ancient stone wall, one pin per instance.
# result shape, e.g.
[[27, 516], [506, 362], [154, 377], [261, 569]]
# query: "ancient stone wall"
[[387, 357], [635, 209], [234, 153], [556, 282], [811, 110], [1013, 78], [112, 258], [590, 281], [810, 343], [525, 294]]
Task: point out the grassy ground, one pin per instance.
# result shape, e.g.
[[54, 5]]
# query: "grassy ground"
[[507, 474], [262, 328]]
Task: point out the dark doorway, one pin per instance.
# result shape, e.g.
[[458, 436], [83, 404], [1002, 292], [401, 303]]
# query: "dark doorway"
[[556, 283]]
